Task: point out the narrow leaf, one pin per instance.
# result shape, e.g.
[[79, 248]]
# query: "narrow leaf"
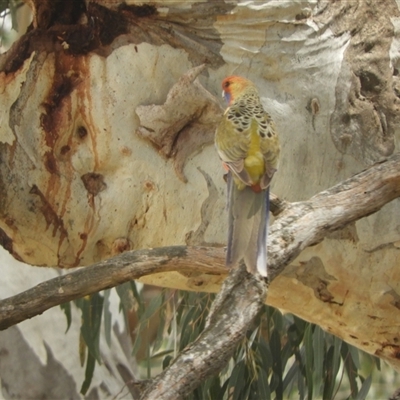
[[355, 355], [319, 346], [309, 357], [350, 369], [291, 375], [107, 317], [266, 356], [90, 364], [236, 381], [92, 310], [13, 11], [167, 360], [66, 307], [152, 308], [275, 346], [362, 394], [138, 298], [262, 385]]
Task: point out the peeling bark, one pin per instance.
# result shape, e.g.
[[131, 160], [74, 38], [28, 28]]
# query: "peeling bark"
[[184, 124]]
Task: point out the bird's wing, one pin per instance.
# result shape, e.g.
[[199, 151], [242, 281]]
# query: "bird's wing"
[[232, 148], [269, 145]]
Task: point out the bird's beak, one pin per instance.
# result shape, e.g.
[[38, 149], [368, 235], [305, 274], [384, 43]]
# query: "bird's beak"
[[223, 94]]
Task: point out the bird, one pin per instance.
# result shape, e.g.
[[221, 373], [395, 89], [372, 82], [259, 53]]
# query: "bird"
[[247, 143]]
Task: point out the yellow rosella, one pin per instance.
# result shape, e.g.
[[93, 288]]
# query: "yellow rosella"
[[248, 146]]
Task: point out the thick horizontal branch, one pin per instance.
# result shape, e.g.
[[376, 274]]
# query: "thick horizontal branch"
[[299, 225], [306, 223], [107, 274]]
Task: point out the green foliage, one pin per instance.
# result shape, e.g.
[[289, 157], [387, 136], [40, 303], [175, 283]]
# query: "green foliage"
[[9, 8], [66, 307], [92, 310], [284, 357], [8, 11]]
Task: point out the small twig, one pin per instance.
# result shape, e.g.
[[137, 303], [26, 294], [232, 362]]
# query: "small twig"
[[277, 205]]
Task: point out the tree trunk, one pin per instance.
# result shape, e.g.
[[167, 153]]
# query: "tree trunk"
[[106, 140]]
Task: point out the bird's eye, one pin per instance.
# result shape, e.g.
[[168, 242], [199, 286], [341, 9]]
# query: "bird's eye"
[[226, 84]]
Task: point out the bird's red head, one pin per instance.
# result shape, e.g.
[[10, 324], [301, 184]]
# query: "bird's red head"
[[233, 86]]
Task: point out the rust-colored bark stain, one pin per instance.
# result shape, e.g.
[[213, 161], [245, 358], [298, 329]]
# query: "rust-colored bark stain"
[[121, 245], [109, 23], [353, 336], [389, 349], [145, 10], [50, 162], [71, 28], [6, 241], [64, 150], [149, 186], [18, 53], [81, 132], [84, 237], [52, 12], [322, 292], [68, 74], [56, 105], [49, 214], [63, 85], [94, 183], [51, 19], [58, 27]]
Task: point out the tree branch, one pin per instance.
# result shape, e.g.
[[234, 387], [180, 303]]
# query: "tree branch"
[[305, 223], [299, 225], [233, 312], [107, 274]]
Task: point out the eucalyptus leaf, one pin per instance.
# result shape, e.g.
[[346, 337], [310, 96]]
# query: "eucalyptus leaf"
[[92, 309], [90, 365], [355, 355], [66, 307], [350, 368], [291, 375], [275, 346], [366, 385], [319, 353], [107, 317], [264, 391], [236, 381], [309, 358]]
